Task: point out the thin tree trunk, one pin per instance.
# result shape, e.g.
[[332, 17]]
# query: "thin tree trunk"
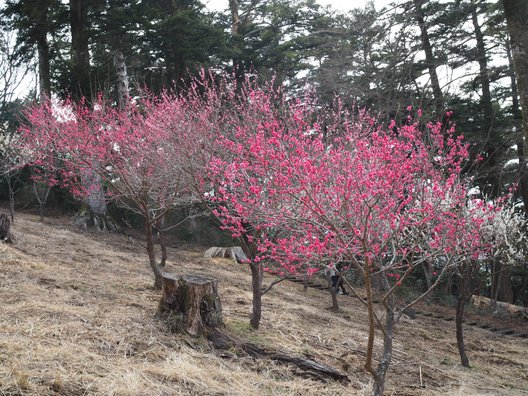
[[490, 137], [383, 366], [42, 197], [485, 99], [459, 318], [256, 285], [163, 247], [43, 50], [237, 39], [371, 320]]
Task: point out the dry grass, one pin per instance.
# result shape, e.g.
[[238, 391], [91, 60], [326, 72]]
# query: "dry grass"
[[77, 317]]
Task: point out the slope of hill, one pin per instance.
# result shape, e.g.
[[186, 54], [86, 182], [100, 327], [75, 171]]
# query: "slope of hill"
[[77, 316]]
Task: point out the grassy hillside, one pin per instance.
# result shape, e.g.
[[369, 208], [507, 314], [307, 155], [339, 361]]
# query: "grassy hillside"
[[77, 316]]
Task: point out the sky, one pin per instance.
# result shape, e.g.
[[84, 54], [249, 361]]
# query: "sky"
[[342, 5]]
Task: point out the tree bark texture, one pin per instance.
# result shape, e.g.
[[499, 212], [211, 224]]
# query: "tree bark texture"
[[43, 51], [429, 56], [386, 357], [459, 318], [516, 12], [190, 303], [122, 79], [257, 274], [80, 51], [485, 99], [517, 116]]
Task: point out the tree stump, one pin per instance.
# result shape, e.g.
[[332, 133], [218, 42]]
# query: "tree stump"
[[5, 228], [234, 252], [190, 303]]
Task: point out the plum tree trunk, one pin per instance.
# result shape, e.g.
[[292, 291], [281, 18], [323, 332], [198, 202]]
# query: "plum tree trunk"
[[256, 285], [190, 303], [459, 318], [383, 366]]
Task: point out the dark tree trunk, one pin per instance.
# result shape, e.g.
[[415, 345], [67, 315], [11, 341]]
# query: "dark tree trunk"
[[506, 288], [237, 39], [459, 318], [190, 303], [80, 51], [516, 12], [41, 11], [429, 56], [485, 99], [517, 117], [490, 136], [256, 285], [502, 289], [44, 66]]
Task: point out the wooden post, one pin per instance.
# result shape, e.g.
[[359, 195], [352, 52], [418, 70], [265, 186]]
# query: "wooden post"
[[190, 303]]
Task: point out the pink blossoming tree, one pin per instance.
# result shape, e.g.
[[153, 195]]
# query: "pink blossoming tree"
[[139, 153], [351, 191]]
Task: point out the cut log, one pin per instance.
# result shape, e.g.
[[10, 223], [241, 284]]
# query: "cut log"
[[316, 370], [190, 303], [5, 228], [234, 252]]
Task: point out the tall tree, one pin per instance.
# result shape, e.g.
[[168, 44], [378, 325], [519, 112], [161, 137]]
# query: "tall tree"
[[516, 12], [80, 54], [429, 55], [34, 22]]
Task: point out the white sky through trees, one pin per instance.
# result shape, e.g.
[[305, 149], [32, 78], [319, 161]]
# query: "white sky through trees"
[[341, 5]]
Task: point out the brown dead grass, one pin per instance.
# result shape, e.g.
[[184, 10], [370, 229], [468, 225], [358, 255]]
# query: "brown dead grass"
[[77, 316]]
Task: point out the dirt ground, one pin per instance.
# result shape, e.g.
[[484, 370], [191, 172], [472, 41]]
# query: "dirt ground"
[[77, 317]]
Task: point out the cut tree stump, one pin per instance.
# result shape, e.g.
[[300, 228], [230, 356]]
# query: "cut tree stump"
[[5, 228], [190, 303], [234, 252]]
